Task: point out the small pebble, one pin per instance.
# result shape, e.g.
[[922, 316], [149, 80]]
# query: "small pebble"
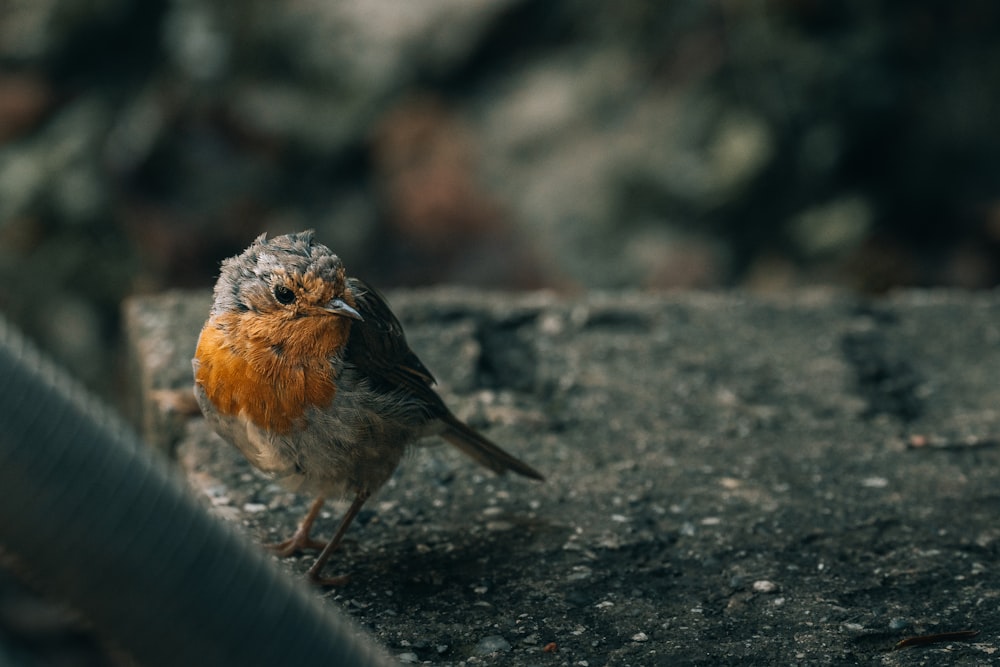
[[640, 637], [254, 508], [898, 624], [764, 586], [227, 512], [408, 658], [492, 644]]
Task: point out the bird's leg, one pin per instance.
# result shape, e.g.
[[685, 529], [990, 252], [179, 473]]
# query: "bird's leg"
[[352, 511], [300, 539]]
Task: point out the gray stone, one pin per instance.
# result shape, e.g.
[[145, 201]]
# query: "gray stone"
[[492, 644], [731, 479]]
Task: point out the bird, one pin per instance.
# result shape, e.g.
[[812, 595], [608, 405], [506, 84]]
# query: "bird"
[[307, 372]]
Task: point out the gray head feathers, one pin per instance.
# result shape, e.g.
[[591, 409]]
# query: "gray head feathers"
[[256, 269]]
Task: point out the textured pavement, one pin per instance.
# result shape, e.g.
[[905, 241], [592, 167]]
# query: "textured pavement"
[[807, 479]]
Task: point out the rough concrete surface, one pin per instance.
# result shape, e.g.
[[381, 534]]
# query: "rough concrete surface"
[[805, 479]]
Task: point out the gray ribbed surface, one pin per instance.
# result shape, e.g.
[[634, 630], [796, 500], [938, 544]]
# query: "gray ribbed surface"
[[97, 522]]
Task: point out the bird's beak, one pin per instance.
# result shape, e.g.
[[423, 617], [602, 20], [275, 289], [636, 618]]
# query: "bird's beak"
[[340, 307]]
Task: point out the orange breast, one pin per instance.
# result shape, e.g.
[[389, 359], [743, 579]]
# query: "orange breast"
[[269, 371]]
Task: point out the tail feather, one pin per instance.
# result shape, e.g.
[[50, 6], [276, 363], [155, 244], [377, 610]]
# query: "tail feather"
[[479, 448]]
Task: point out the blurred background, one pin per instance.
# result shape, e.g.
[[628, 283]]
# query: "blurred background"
[[506, 144]]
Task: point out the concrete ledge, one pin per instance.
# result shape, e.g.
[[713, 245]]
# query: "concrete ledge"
[[805, 480]]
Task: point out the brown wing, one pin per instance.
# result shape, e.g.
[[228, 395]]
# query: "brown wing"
[[378, 348]]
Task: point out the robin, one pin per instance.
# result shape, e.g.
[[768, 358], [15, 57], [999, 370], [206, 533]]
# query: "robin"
[[307, 372]]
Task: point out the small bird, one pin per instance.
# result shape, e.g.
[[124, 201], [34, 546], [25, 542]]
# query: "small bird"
[[308, 373]]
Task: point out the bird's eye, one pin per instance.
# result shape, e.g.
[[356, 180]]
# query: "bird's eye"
[[283, 294]]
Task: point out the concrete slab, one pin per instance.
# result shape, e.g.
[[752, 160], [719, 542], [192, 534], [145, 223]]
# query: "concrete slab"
[[731, 480]]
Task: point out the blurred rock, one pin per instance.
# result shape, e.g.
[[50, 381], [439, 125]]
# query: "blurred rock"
[[443, 223], [670, 259], [24, 98], [26, 31], [58, 170], [340, 62], [832, 228]]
